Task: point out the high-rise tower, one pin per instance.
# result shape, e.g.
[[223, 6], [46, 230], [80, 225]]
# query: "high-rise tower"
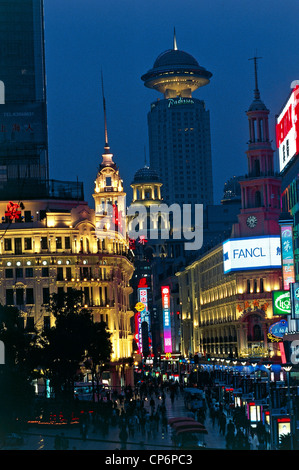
[[23, 121], [179, 129], [260, 189]]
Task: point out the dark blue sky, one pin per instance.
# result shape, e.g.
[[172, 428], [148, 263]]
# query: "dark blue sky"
[[123, 38]]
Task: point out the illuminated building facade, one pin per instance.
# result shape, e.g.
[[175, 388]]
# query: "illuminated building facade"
[[23, 115], [179, 129], [226, 294], [49, 246]]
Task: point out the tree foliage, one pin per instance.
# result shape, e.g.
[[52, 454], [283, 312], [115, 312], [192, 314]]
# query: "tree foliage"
[[74, 339]]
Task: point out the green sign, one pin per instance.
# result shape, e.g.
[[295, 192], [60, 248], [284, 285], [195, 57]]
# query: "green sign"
[[281, 302]]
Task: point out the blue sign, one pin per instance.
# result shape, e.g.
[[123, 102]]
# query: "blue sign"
[[279, 329]]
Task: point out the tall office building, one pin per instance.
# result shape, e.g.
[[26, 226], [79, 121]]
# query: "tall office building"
[[23, 116], [179, 129]]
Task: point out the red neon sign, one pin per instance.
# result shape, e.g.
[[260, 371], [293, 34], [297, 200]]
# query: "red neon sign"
[[12, 211]]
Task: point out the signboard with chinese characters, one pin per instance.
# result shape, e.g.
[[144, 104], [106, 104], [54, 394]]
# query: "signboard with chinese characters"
[[281, 302], [241, 254], [144, 327], [294, 290], [166, 319], [287, 256], [278, 330], [23, 123], [287, 130]]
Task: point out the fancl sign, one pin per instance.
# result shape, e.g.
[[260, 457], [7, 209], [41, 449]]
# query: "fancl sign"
[[177, 101], [281, 302], [242, 254]]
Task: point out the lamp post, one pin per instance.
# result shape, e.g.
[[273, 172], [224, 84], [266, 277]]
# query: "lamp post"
[[288, 368], [268, 367]]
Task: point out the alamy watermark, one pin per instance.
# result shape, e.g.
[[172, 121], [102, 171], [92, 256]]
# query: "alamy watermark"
[[153, 222]]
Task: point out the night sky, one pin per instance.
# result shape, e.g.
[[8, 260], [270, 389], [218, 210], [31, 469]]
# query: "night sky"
[[123, 38]]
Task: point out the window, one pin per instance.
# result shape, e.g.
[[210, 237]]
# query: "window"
[[8, 273], [27, 244], [9, 297], [46, 295], [30, 324], [69, 273], [18, 246], [29, 296], [58, 243], [44, 243], [28, 272], [67, 243], [19, 273], [20, 296], [108, 180], [59, 274], [45, 272], [7, 244]]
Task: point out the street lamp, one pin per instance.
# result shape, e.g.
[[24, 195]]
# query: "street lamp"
[[268, 366], [288, 368]]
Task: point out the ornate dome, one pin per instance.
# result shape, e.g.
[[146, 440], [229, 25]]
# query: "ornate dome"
[[146, 175], [174, 57]]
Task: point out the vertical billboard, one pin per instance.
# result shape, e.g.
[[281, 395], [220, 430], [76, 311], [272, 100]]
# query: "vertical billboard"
[[287, 130], [166, 319], [294, 290], [287, 256], [144, 326]]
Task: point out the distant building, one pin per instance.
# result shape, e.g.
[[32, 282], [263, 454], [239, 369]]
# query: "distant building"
[[226, 294], [23, 116], [179, 129]]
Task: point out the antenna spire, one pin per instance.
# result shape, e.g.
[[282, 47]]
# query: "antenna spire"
[[175, 46], [105, 114], [256, 91]]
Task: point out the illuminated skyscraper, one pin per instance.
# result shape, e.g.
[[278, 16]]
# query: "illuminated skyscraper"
[[179, 129], [23, 116]]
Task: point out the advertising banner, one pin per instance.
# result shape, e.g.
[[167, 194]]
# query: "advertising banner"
[[294, 289], [287, 130], [166, 319], [287, 255], [242, 254], [281, 302]]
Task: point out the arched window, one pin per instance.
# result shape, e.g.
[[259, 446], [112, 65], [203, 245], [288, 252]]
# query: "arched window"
[[257, 199]]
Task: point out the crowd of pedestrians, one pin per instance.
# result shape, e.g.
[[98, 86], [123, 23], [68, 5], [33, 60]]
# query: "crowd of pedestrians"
[[142, 411]]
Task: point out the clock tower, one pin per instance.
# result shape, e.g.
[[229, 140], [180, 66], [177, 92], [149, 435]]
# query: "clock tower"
[[260, 188]]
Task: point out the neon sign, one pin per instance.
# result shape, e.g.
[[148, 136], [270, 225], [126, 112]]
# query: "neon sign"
[[12, 211], [166, 319], [281, 302], [175, 102], [287, 255], [287, 130]]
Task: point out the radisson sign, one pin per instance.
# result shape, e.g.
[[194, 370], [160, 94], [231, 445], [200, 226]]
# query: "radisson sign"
[[174, 102], [281, 302]]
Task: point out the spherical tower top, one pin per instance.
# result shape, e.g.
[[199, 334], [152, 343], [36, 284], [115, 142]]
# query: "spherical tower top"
[[176, 73]]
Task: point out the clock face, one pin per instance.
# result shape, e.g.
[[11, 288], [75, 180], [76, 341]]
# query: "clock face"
[[251, 221]]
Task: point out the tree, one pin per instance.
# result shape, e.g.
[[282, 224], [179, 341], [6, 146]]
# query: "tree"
[[74, 338], [16, 391]]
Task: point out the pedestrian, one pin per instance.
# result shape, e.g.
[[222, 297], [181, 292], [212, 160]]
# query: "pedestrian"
[[254, 442], [123, 436]]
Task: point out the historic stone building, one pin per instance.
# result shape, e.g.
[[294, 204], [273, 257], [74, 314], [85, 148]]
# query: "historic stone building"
[[51, 245]]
